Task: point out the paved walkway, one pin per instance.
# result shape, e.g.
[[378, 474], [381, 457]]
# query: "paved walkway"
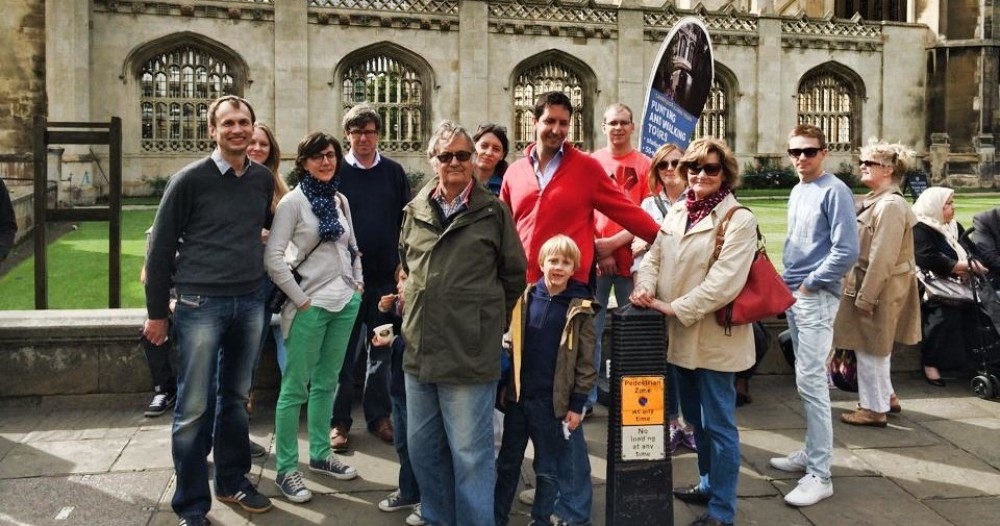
[[96, 460]]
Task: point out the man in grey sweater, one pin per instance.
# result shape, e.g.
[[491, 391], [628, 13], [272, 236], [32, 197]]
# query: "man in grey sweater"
[[218, 206]]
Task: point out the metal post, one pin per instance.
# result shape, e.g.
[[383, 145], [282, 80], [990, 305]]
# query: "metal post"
[[640, 487]]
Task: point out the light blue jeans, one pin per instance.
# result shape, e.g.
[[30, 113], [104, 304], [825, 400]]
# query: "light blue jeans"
[[811, 323], [623, 288], [450, 440], [218, 341]]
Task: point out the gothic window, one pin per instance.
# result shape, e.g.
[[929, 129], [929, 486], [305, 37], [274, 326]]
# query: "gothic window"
[[396, 90], [887, 10], [549, 75], [714, 120], [176, 89], [829, 101]]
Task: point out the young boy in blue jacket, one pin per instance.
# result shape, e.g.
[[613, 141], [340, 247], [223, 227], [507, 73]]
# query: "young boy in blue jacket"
[[553, 370], [407, 495]]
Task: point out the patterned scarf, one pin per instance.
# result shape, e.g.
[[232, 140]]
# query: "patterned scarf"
[[321, 196], [699, 209]]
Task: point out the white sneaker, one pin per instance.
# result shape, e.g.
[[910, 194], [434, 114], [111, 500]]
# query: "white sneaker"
[[811, 489], [414, 518], [794, 462], [527, 497]]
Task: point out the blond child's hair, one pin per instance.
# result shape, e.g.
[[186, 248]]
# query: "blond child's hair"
[[560, 245]]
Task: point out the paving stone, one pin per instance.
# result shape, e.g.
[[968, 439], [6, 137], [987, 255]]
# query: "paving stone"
[[61, 457], [943, 471], [766, 512], [866, 500], [927, 409], [901, 432], [146, 450], [86, 424], [977, 436], [111, 499], [978, 511]]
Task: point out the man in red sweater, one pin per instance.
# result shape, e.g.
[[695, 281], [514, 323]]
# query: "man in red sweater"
[[556, 188]]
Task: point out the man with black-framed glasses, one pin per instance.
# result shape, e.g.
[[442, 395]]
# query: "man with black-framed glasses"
[[822, 245], [377, 189]]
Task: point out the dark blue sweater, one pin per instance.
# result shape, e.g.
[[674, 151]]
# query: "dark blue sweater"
[[219, 218], [377, 196], [546, 321]]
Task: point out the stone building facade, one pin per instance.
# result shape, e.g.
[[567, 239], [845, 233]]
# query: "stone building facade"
[[889, 71]]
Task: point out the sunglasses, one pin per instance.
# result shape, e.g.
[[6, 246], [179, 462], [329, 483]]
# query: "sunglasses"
[[446, 157], [870, 163], [810, 152], [711, 170], [663, 165]]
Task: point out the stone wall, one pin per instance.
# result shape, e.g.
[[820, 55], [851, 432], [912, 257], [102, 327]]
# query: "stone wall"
[[22, 72], [70, 352], [292, 51]]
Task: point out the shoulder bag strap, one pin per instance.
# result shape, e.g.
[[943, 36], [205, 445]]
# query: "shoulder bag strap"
[[660, 204]]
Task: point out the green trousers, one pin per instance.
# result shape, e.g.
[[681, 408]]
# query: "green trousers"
[[316, 343]]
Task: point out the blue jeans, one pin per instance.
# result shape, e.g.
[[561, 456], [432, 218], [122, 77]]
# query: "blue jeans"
[[218, 342], [409, 490], [623, 288], [557, 464], [375, 402], [450, 439], [708, 400], [811, 323]]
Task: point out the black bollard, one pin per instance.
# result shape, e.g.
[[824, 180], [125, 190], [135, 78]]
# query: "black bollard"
[[640, 482]]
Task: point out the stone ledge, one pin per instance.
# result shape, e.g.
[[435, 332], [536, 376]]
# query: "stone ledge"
[[77, 352]]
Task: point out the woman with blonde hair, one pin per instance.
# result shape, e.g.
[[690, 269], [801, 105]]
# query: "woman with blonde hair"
[[667, 183], [879, 305], [683, 277]]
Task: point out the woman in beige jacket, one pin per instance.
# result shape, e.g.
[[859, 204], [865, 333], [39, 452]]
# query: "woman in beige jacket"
[[880, 305], [679, 278]]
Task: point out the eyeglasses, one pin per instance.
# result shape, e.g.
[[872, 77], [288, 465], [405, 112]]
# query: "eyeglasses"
[[870, 163], [446, 157], [711, 169], [319, 157], [664, 164], [810, 152], [359, 133], [616, 124]]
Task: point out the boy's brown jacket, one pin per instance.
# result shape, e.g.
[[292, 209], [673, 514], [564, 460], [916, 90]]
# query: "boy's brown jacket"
[[575, 372]]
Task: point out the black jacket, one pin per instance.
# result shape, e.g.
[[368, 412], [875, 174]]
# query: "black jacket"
[[986, 237]]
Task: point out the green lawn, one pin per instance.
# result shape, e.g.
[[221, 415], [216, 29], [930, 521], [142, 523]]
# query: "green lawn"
[[78, 268], [78, 261]]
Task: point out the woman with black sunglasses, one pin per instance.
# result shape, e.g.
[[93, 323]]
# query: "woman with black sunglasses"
[[879, 305], [685, 279]]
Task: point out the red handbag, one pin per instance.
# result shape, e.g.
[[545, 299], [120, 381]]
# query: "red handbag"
[[765, 293]]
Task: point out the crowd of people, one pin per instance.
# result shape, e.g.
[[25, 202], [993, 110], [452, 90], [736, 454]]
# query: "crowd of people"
[[479, 305]]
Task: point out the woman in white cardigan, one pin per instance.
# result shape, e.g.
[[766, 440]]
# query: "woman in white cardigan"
[[313, 234]]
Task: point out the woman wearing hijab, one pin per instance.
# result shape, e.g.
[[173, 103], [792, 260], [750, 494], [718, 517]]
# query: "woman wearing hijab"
[[948, 330], [879, 305]]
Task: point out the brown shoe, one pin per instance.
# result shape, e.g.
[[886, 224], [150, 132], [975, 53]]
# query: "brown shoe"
[[383, 429], [338, 438], [864, 417], [894, 406]]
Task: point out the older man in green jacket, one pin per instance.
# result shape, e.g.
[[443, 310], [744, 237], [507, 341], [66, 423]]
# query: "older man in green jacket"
[[466, 269]]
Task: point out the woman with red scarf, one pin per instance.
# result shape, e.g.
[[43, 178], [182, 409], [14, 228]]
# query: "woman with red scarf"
[[681, 278]]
